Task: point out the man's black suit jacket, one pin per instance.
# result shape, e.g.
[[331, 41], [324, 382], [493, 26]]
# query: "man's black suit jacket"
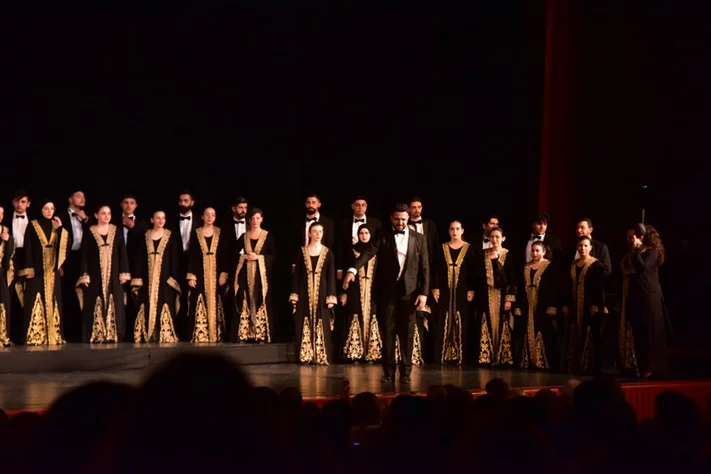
[[66, 219], [135, 237], [416, 274], [345, 239], [432, 238]]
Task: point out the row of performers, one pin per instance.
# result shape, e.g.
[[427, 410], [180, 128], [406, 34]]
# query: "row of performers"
[[522, 320]]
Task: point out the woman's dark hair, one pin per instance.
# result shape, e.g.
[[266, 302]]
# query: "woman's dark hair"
[[651, 238], [315, 224], [584, 237], [539, 243], [253, 211], [499, 229], [98, 208]]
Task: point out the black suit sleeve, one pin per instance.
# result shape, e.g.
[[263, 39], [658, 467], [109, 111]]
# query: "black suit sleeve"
[[330, 232], [330, 280], [370, 251], [423, 279], [7, 255], [605, 260]]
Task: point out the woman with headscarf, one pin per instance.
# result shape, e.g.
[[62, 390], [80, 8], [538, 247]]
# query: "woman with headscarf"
[[642, 333], [46, 246], [362, 341]]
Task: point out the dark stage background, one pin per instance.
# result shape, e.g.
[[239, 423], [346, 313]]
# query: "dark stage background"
[[445, 102], [272, 102]]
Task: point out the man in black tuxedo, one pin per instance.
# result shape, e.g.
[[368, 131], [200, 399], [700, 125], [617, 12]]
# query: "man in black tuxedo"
[[348, 232], [16, 282], [539, 228], [232, 231], [599, 250], [75, 221], [301, 228], [403, 283], [183, 229], [427, 228], [133, 231]]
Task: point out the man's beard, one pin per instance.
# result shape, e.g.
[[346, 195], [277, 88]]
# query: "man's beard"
[[184, 209], [310, 211], [240, 215]]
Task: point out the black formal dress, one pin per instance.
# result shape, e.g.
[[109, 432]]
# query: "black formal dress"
[[642, 337], [495, 287], [536, 312], [183, 243], [46, 251], [70, 300], [103, 264], [232, 231], [7, 249], [454, 283], [583, 309], [313, 289], [253, 280], [155, 286], [398, 287], [205, 312]]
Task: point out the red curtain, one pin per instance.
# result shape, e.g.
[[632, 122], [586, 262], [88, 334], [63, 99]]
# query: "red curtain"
[[556, 171]]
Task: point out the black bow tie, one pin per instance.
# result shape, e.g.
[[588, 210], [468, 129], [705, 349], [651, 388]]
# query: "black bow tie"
[[74, 214], [416, 222], [399, 232], [358, 220], [311, 219], [185, 218], [536, 237], [19, 217], [239, 222]]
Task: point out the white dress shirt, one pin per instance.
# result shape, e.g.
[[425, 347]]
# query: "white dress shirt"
[[308, 224], [540, 237], [401, 243], [77, 230], [484, 243], [125, 229], [19, 226], [356, 226], [240, 228], [419, 226], [185, 226]]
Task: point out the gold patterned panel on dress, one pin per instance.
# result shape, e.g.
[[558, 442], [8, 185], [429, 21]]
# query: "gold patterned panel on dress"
[[253, 322], [452, 335], [534, 340], [209, 268], [494, 315], [4, 337], [155, 263], [313, 280]]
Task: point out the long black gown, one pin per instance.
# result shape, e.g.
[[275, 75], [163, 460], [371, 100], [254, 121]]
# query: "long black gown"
[[102, 266], [537, 310], [207, 316], [313, 288], [583, 334], [45, 252], [6, 276], [252, 289], [155, 280], [362, 341], [495, 287], [642, 337], [454, 282]]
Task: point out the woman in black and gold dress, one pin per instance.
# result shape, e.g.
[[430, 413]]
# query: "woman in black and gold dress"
[[46, 246], [103, 269], [537, 311], [205, 280], [363, 341], [313, 295], [155, 283], [454, 292], [642, 331], [585, 303], [252, 282], [7, 248], [496, 293]]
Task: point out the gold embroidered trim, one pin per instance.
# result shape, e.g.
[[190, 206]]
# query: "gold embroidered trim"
[[510, 299], [137, 282], [4, 337], [494, 294], [313, 280], [331, 300], [124, 277], [25, 272], [470, 295], [85, 279], [551, 311], [354, 346], [435, 293], [254, 321], [155, 263], [209, 270], [191, 276], [173, 283], [532, 287], [294, 298], [201, 332]]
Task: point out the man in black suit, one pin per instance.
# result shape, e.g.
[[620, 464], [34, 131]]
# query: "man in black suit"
[[232, 230], [403, 283], [21, 203], [133, 230], [75, 220], [539, 228], [183, 229], [599, 250], [427, 228], [348, 232], [301, 231]]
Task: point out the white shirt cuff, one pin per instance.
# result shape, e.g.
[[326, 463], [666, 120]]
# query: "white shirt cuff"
[[353, 271]]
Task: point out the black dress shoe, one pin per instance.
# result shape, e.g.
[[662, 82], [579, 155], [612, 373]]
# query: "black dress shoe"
[[405, 379], [387, 378]]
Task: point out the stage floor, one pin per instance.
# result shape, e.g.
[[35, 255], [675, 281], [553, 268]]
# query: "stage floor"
[[31, 378]]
